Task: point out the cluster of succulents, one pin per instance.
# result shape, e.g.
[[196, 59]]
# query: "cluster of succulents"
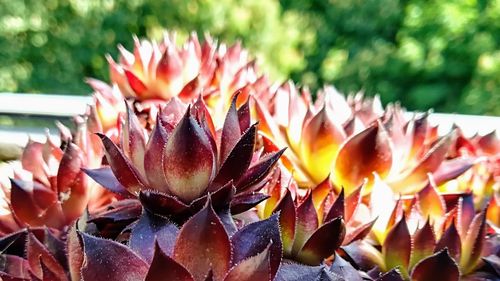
[[191, 165]]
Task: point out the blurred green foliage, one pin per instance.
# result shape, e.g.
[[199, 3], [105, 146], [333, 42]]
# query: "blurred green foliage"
[[427, 53], [443, 54], [52, 45]]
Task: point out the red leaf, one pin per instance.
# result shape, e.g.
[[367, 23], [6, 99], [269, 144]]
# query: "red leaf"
[[415, 178], [133, 140], [424, 242], [212, 248], [244, 116], [439, 266], [286, 209], [256, 238], [69, 176], [321, 139], [135, 83], [107, 260], [307, 223], [31, 202], [258, 171], [75, 254], [189, 161], [245, 202], [323, 242], [430, 203], [473, 243], [451, 169], [121, 166], [451, 240], [231, 131], [153, 159], [253, 268], [151, 229], [397, 247], [164, 268], [72, 183], [337, 209], [364, 153], [237, 161], [38, 253], [48, 275], [352, 201]]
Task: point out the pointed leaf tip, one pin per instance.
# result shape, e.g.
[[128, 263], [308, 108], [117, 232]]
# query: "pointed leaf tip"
[[189, 161], [397, 247], [164, 267], [254, 238], [108, 260], [212, 248], [439, 266]]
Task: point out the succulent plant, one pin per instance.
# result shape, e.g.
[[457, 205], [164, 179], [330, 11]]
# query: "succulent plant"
[[352, 138], [440, 230], [197, 192], [49, 189], [185, 159], [155, 72], [156, 250]]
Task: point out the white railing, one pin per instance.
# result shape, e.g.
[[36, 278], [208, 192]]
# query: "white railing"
[[54, 107], [64, 106], [43, 105]]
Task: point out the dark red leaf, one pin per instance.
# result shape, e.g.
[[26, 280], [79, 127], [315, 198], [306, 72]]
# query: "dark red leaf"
[[253, 268], [323, 242], [107, 260], [121, 166], [161, 203], [165, 268], [189, 161], [287, 218], [397, 247], [337, 209], [254, 238], [153, 159], [237, 161], [439, 266], [451, 240], [231, 131], [245, 202], [37, 252], [392, 275], [342, 268], [424, 242], [212, 248], [306, 224], [105, 177], [151, 229], [259, 170]]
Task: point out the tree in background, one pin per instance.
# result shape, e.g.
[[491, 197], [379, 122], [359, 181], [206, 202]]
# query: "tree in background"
[[441, 54], [50, 46]]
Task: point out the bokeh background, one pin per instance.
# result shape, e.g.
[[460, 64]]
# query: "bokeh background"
[[443, 54]]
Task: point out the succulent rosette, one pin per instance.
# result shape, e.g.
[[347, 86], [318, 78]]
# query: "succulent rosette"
[[185, 159], [483, 179], [195, 191], [156, 250], [155, 72], [350, 139], [426, 231], [48, 188]]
